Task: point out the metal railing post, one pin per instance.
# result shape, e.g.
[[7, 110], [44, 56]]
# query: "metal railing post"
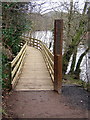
[[58, 36]]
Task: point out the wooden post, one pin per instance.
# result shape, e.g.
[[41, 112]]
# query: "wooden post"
[[29, 41], [33, 42], [58, 36], [10, 76], [37, 45]]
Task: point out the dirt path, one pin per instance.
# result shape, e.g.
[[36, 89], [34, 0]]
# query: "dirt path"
[[72, 103]]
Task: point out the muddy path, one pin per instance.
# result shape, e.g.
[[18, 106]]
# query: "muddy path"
[[73, 102]]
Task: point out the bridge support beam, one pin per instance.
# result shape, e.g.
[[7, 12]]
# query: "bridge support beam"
[[58, 38]]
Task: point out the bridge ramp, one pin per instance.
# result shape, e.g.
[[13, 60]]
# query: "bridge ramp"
[[35, 75]]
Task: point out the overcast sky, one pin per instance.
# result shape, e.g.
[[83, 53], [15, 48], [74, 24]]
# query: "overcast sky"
[[50, 4], [54, 3]]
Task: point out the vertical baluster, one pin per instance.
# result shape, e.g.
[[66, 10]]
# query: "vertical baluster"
[[37, 44], [29, 41], [33, 42], [10, 76]]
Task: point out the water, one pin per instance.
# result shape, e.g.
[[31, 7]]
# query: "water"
[[44, 36], [47, 37]]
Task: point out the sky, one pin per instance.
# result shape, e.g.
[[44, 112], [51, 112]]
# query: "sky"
[[53, 3], [49, 4]]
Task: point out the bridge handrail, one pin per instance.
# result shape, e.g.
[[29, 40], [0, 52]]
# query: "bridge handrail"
[[48, 60], [47, 55], [16, 65]]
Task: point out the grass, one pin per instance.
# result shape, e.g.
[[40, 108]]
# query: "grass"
[[70, 79]]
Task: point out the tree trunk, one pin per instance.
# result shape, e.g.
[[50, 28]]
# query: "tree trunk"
[[75, 41], [88, 66], [70, 14], [73, 62], [77, 70], [69, 52]]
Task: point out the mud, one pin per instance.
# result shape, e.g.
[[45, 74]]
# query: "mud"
[[73, 102]]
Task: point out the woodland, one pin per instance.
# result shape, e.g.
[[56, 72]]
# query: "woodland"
[[19, 18]]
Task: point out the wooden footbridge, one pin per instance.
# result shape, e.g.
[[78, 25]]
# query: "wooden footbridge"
[[35, 67]]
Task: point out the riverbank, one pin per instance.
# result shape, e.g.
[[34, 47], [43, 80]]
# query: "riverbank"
[[70, 79]]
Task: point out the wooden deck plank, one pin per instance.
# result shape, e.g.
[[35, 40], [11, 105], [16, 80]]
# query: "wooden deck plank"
[[35, 75]]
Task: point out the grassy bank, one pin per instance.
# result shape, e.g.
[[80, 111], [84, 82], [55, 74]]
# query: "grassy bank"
[[70, 79]]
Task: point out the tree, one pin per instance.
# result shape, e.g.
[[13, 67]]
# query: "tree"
[[14, 23], [72, 49]]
